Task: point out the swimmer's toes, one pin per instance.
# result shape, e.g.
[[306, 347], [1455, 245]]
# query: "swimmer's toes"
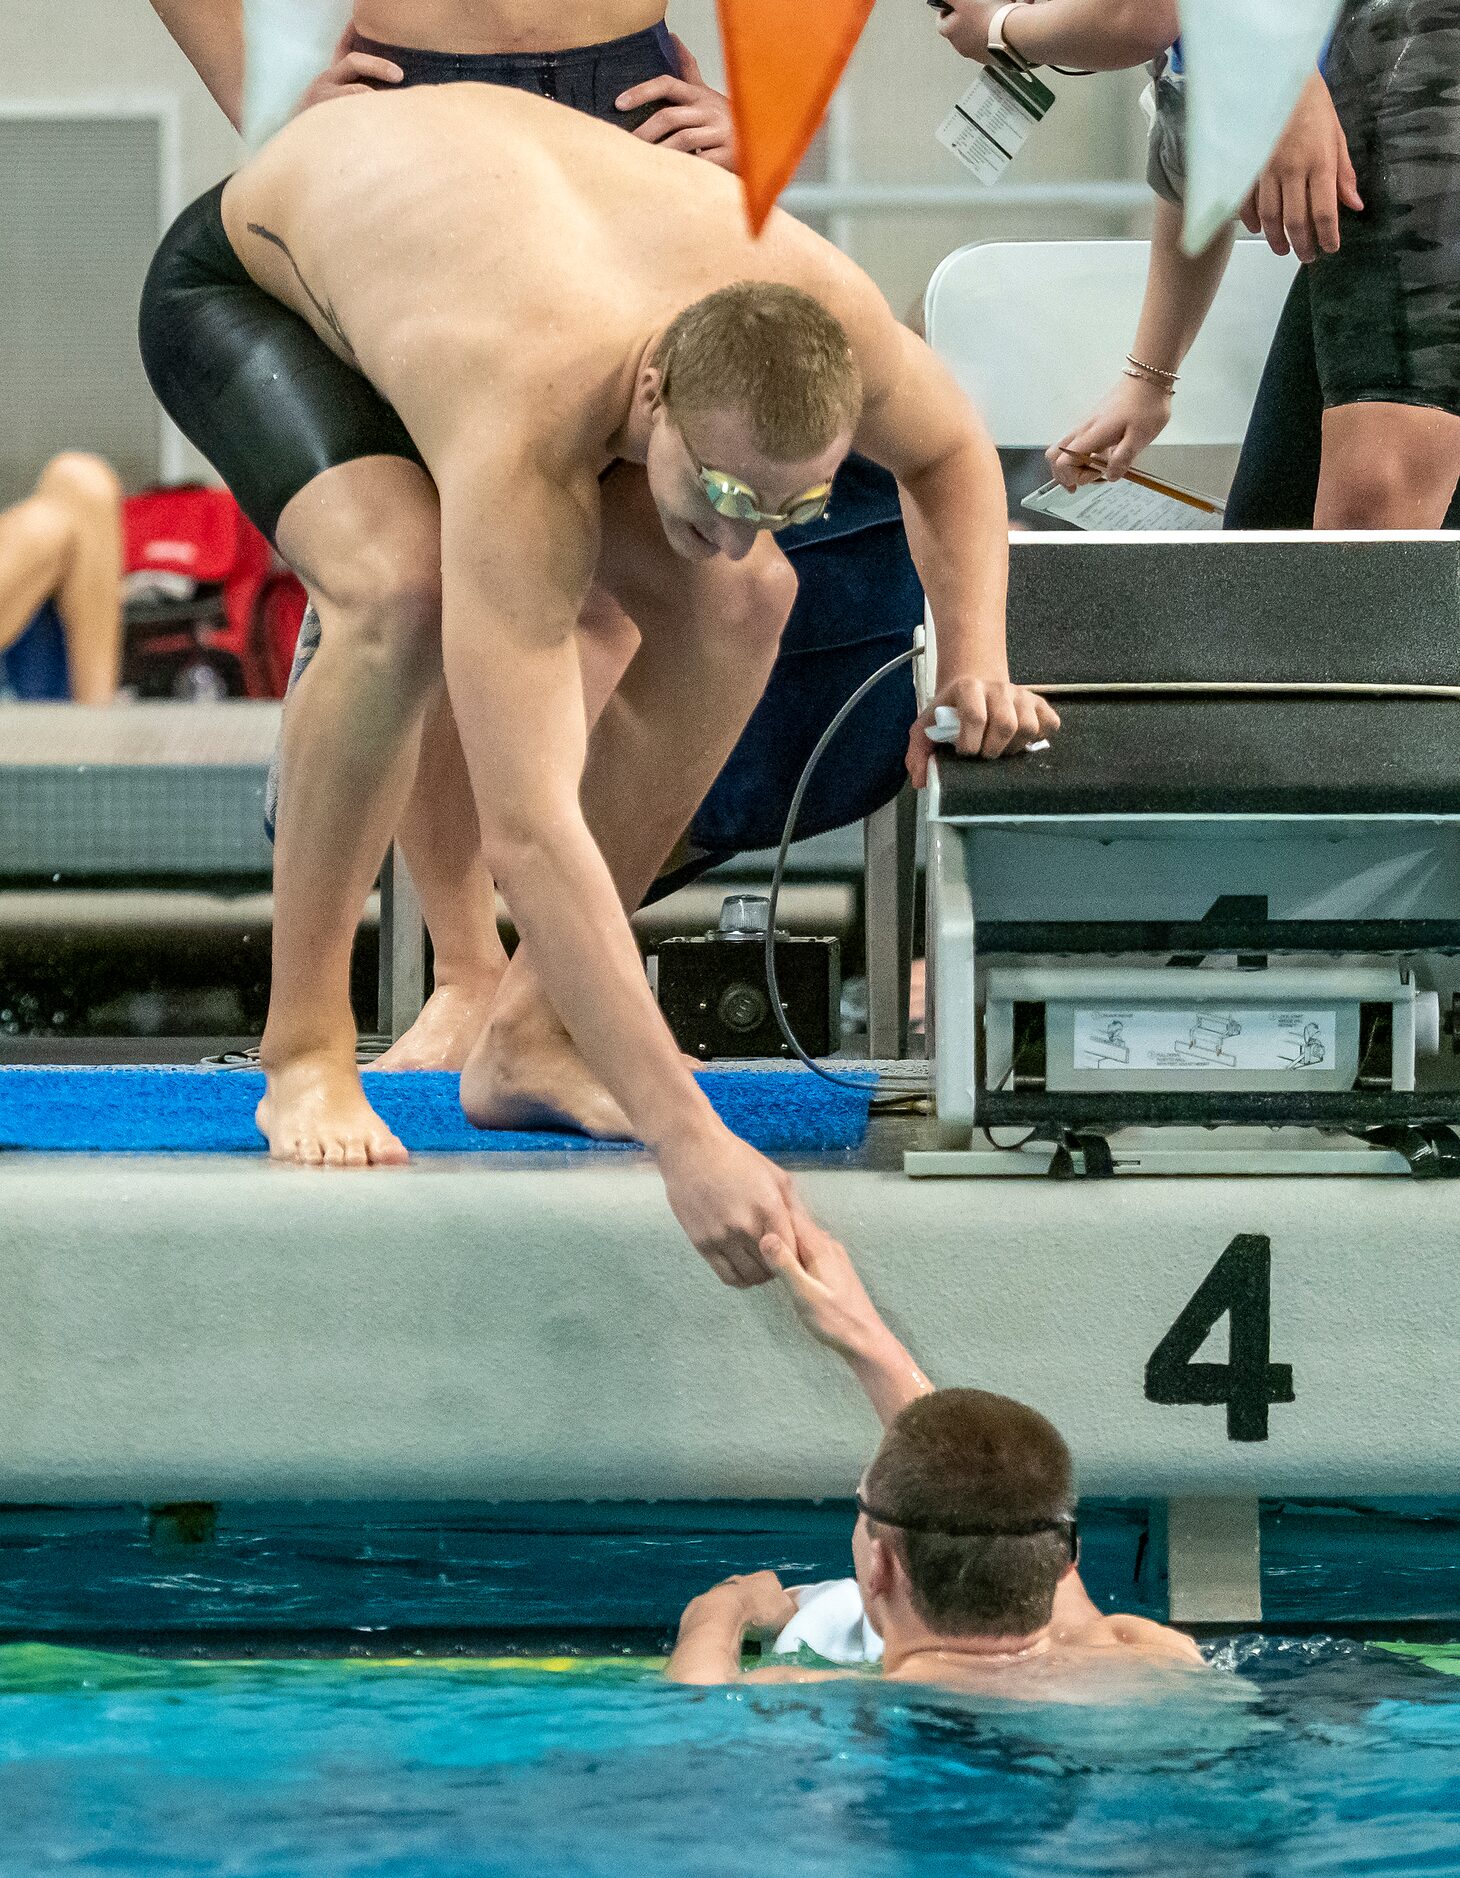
[[383, 1150]]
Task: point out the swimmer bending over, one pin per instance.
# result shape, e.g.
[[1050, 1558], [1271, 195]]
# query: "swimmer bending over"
[[613, 391], [965, 1547]]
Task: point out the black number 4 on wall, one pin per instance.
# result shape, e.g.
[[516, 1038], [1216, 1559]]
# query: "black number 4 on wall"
[[1239, 1286]]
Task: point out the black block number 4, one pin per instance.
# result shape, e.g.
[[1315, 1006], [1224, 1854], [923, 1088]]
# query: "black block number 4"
[[1239, 1287]]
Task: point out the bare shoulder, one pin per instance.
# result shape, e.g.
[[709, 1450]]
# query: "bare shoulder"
[[1121, 1631], [809, 261]]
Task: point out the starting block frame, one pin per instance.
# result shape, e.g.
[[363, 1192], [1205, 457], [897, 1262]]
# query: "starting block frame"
[[1309, 824]]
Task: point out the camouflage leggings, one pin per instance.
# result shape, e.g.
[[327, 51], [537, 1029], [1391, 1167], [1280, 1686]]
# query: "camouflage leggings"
[[1386, 307]]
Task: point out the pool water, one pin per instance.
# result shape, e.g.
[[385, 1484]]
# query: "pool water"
[[1318, 1754], [1311, 1756]]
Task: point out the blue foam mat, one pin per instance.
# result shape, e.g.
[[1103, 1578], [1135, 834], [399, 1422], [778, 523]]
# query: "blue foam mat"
[[210, 1111]]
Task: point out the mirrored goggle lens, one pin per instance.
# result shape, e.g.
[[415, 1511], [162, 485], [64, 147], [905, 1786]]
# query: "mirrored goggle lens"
[[809, 509], [731, 499]]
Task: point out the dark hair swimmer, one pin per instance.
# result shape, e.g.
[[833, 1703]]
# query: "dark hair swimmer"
[[966, 1548]]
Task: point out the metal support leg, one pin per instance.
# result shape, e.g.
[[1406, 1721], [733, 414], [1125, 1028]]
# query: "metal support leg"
[[402, 948], [1214, 1560], [890, 848]]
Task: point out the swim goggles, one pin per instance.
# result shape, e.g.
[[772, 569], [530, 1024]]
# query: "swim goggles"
[[1065, 1523], [738, 502]]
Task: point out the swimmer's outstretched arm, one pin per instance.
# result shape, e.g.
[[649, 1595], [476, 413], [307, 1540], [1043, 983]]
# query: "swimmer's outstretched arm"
[[519, 553], [919, 425], [832, 1302]]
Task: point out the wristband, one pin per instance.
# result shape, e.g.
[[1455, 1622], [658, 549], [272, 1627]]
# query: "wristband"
[[997, 41]]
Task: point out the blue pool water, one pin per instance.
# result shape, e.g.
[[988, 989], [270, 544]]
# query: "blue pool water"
[[1322, 1754], [1293, 1757]]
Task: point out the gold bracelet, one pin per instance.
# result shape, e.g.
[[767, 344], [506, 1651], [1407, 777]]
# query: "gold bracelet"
[[1156, 373]]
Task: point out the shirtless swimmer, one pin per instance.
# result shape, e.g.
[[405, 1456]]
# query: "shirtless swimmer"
[[531, 299]]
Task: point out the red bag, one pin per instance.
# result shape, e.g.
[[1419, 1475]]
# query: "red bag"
[[280, 615], [195, 571]]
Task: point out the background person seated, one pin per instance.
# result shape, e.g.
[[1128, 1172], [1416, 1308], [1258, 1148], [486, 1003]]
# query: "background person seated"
[[965, 1547], [62, 548]]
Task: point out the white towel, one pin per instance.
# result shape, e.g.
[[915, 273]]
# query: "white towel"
[[830, 1620]]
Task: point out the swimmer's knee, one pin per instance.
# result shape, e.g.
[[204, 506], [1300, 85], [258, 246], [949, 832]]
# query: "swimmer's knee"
[[386, 602], [1379, 490], [74, 476], [43, 529], [1387, 467]]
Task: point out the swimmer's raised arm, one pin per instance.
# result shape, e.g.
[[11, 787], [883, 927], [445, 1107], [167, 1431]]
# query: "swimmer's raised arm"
[[210, 36], [832, 1302], [918, 424], [512, 671]]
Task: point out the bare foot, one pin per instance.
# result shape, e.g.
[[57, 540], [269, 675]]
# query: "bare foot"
[[527, 1073], [314, 1112], [443, 1035]]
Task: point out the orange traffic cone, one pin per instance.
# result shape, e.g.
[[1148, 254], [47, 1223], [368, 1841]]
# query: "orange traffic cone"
[[783, 62]]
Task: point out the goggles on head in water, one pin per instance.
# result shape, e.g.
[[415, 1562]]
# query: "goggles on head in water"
[[1065, 1523]]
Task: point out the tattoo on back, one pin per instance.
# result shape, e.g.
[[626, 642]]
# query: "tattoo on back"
[[325, 311]]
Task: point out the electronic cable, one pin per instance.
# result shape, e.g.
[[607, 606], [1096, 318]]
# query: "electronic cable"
[[909, 1083]]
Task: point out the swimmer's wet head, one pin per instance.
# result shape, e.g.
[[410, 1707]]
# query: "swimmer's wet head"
[[967, 1512], [755, 395]]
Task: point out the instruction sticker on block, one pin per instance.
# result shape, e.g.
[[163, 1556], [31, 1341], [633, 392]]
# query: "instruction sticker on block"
[[993, 119], [1215, 1039]]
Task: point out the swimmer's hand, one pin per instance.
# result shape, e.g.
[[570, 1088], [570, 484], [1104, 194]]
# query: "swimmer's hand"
[[996, 718], [1309, 177], [714, 1626], [695, 118], [1106, 445], [833, 1304], [350, 72], [829, 1297], [728, 1199]]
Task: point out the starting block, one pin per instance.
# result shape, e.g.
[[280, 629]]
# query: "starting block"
[[1213, 927]]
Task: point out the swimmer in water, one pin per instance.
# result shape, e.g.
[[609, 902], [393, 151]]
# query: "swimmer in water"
[[611, 388], [965, 1547]]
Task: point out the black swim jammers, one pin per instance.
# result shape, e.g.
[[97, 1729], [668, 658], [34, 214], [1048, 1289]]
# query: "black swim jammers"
[[249, 382]]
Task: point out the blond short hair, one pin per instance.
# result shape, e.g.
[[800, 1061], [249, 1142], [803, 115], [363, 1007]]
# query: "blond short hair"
[[771, 352]]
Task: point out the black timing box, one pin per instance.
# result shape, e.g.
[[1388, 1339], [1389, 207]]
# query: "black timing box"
[[715, 999]]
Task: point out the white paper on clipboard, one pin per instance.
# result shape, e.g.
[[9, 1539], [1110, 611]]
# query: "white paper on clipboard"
[[1126, 507]]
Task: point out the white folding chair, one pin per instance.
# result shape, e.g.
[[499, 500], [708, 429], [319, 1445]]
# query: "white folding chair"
[[1035, 331]]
